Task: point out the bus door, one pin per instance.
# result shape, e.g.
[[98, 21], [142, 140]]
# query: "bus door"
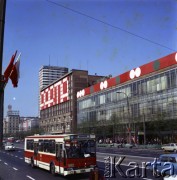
[[59, 152], [36, 148]]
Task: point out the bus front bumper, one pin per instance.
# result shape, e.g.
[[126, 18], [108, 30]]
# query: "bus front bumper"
[[71, 171]]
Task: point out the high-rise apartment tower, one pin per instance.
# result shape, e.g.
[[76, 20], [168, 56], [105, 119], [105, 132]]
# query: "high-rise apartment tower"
[[48, 74]]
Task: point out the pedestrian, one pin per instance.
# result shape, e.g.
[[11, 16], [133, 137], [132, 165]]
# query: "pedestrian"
[[96, 175]]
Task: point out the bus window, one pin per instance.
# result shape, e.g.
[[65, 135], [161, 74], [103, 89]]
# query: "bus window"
[[74, 150], [30, 145], [41, 145], [52, 146], [88, 148], [46, 145], [92, 147]]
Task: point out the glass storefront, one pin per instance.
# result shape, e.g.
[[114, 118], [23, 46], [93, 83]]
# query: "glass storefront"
[[150, 100]]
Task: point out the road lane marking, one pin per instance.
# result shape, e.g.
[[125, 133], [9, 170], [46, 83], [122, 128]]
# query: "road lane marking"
[[15, 168], [30, 177], [113, 154], [5, 163], [21, 158], [16, 156]]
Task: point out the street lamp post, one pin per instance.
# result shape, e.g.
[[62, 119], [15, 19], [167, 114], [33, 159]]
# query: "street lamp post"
[[144, 128], [128, 106]]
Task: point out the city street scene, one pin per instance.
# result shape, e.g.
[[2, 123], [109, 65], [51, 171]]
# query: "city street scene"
[[88, 89]]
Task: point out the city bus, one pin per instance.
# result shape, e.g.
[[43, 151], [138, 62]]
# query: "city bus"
[[64, 154]]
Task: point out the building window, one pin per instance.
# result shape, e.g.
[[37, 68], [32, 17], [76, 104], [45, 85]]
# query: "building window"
[[102, 99]]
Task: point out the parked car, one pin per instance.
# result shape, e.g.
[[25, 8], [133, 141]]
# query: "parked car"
[[165, 165], [170, 147], [128, 145], [17, 141], [9, 146], [119, 145]]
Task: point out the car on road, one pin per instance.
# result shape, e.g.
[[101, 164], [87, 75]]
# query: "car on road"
[[18, 141], [128, 145], [170, 147], [9, 146], [165, 165]]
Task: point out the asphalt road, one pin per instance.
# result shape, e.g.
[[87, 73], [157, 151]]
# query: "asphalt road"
[[133, 151], [13, 167], [125, 166]]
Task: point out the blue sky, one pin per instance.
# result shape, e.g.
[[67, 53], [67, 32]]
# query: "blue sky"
[[101, 36]]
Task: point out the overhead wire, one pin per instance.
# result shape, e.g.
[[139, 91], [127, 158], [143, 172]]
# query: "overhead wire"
[[108, 24]]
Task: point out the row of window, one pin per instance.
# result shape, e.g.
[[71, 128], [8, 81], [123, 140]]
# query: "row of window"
[[165, 107], [148, 97], [42, 145], [154, 84], [56, 110], [49, 128]]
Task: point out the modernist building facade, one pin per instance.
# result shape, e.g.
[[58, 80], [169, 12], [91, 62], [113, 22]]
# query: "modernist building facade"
[[58, 102], [142, 102]]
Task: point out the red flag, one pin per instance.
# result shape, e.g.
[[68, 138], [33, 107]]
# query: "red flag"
[[14, 76], [8, 70]]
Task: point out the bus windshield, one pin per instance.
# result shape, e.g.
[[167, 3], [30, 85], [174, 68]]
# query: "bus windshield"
[[81, 149]]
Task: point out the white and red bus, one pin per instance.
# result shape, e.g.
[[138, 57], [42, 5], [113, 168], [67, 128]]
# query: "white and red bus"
[[63, 154]]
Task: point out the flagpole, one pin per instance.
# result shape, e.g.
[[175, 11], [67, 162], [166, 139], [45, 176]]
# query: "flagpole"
[[2, 84]]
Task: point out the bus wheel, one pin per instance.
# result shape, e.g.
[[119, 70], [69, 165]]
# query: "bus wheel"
[[32, 163], [52, 169]]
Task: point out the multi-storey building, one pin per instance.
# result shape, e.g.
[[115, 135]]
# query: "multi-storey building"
[[28, 123], [5, 126], [11, 121], [140, 104], [58, 101], [48, 74]]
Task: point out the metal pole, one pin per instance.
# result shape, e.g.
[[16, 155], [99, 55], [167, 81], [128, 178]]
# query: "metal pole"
[[129, 127], [2, 22], [144, 128]]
